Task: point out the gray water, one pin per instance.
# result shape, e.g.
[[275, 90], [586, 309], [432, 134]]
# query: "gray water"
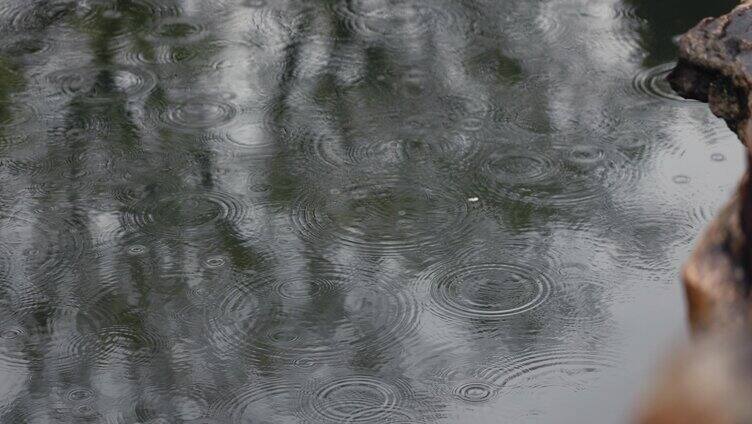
[[362, 211]]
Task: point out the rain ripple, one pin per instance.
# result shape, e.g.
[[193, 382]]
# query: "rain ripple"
[[475, 392], [447, 147], [356, 399], [15, 114], [173, 215], [177, 31], [652, 82], [650, 237], [232, 326], [27, 47], [125, 344], [255, 402], [68, 332], [100, 84], [13, 345], [537, 175], [58, 246], [487, 291], [160, 55], [202, 112], [19, 16], [388, 218], [272, 28], [372, 318], [135, 10], [409, 21], [551, 367]]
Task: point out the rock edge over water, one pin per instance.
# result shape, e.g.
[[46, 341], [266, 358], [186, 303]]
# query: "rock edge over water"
[[715, 66], [710, 381]]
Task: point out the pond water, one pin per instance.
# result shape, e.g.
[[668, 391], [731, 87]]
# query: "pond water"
[[330, 211]]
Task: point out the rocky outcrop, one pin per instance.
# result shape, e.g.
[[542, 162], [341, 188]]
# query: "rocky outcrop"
[[710, 381], [715, 66]]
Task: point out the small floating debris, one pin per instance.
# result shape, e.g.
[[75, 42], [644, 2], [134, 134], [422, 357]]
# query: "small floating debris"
[[473, 199]]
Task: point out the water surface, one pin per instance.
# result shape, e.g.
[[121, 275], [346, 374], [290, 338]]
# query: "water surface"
[[371, 211]]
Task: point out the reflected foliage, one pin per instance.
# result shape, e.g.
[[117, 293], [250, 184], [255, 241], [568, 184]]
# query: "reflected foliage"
[[329, 211]]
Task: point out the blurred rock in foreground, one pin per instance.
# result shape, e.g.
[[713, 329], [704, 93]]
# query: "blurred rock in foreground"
[[715, 66], [711, 382]]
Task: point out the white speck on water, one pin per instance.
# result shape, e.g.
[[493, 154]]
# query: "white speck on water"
[[473, 199]]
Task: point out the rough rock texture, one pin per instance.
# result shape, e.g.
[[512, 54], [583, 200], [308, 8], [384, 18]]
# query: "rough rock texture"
[[715, 66]]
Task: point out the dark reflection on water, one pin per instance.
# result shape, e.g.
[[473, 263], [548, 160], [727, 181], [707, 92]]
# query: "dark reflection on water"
[[243, 211], [660, 22]]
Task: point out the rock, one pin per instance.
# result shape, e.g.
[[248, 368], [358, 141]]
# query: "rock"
[[715, 66], [708, 382], [715, 280]]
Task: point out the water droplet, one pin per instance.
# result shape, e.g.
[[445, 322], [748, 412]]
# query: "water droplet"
[[304, 363], [10, 334], [85, 412], [475, 392], [136, 250], [215, 262], [80, 395], [681, 179]]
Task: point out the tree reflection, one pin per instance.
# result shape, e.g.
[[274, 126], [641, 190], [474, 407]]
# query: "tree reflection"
[[273, 204]]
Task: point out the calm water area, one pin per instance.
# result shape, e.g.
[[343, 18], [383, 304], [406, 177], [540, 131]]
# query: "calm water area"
[[345, 211]]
